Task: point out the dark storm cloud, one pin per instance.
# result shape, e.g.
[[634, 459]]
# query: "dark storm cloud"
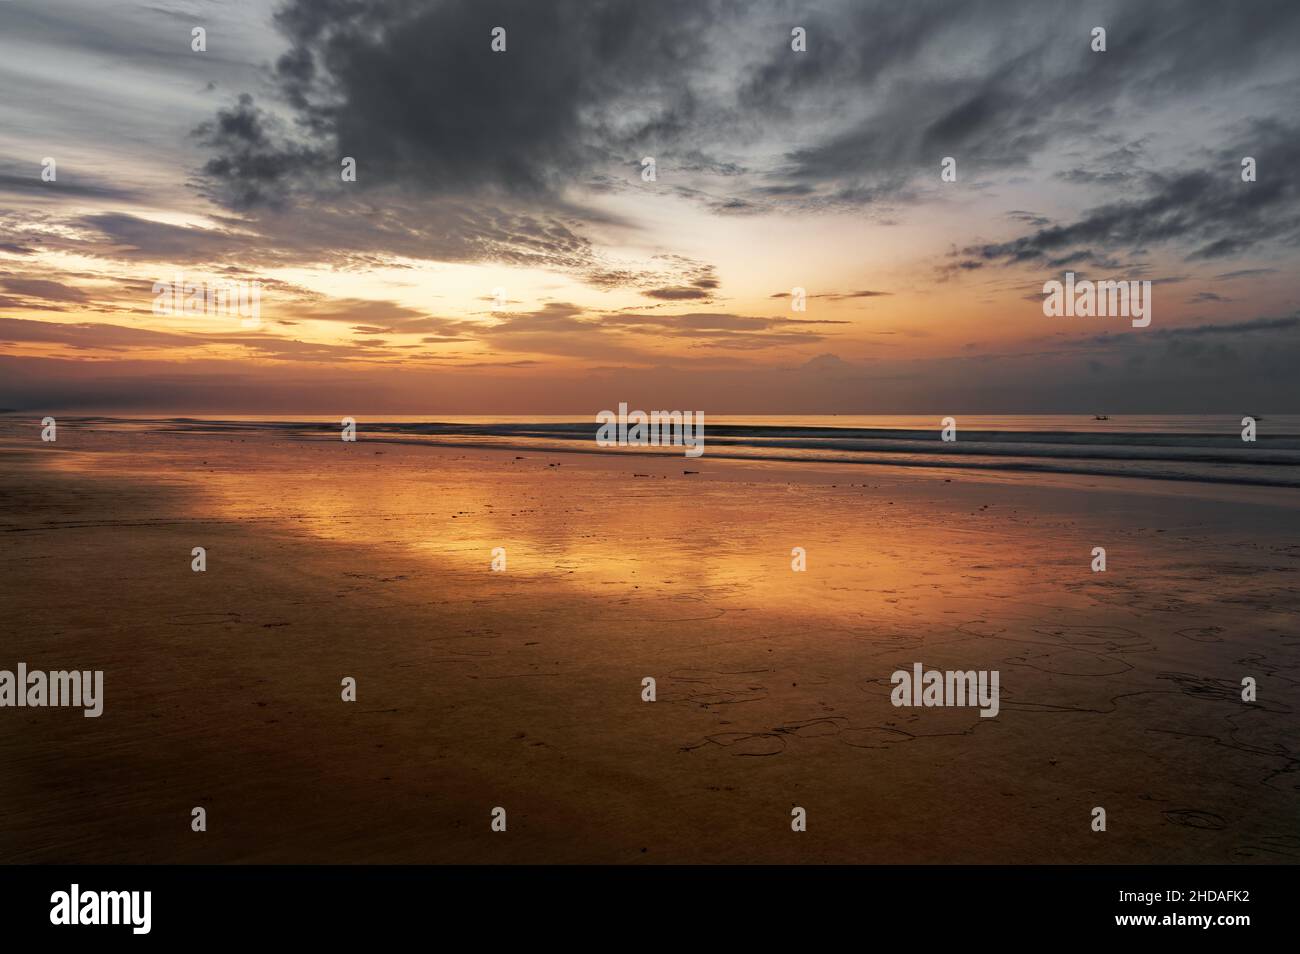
[[414, 92], [995, 83], [255, 162], [1207, 212], [464, 154]]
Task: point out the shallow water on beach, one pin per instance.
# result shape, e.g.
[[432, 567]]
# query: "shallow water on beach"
[[478, 687]]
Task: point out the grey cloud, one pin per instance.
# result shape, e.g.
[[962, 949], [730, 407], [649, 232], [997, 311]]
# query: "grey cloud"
[[90, 335], [994, 83], [42, 288], [71, 182], [1250, 326], [1207, 212]]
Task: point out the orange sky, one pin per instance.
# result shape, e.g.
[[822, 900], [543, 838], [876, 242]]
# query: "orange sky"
[[529, 265]]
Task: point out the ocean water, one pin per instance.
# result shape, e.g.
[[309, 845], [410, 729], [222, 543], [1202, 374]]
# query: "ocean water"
[[1172, 447]]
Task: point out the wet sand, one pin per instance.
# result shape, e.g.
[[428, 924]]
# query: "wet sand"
[[522, 688]]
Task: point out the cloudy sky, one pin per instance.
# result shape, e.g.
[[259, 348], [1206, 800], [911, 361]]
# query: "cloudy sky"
[[501, 251]]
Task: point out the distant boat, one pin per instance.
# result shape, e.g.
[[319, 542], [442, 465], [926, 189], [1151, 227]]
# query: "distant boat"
[[1100, 417]]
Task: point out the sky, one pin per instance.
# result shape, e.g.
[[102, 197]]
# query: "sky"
[[502, 248]]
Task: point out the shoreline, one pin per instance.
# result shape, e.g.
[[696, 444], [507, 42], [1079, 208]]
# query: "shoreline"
[[1178, 458]]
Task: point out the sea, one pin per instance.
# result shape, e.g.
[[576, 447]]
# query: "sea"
[[1156, 447]]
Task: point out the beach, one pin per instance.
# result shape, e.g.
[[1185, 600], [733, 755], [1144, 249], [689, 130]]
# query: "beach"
[[521, 688]]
